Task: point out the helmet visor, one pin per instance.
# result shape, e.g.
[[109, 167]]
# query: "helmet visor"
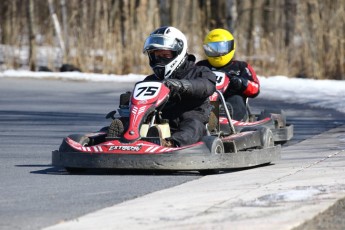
[[161, 42], [217, 49]]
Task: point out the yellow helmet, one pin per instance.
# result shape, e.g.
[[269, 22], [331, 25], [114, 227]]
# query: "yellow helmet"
[[219, 46]]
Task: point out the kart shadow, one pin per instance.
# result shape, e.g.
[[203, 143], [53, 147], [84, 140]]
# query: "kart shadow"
[[51, 170], [62, 171]]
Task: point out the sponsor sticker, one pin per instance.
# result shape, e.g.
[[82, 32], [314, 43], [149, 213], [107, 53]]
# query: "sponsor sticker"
[[125, 148]]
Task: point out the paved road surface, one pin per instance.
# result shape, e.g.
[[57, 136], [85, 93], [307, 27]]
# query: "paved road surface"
[[34, 117]]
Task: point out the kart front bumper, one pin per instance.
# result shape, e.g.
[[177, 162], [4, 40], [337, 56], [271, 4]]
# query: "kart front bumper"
[[176, 161]]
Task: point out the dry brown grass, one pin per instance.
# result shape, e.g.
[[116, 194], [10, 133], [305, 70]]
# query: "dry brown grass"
[[107, 36]]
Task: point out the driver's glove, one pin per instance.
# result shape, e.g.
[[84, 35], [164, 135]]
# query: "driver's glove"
[[178, 87], [237, 83]]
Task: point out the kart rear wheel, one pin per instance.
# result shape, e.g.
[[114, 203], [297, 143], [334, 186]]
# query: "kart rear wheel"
[[267, 139], [266, 136], [215, 145], [279, 115]]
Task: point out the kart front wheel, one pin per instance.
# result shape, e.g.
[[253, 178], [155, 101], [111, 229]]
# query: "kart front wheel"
[[64, 147], [215, 145], [81, 139]]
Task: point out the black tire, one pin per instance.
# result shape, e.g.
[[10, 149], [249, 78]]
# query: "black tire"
[[64, 147], [278, 115], [81, 139], [266, 135], [267, 139], [215, 145]]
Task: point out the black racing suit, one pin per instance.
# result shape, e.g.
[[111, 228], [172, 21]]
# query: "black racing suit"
[[237, 96], [189, 113]]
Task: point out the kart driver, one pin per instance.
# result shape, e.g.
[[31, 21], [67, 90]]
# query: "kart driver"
[[219, 47], [188, 108]]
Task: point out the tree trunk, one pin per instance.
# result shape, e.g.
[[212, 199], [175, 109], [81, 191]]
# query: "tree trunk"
[[57, 28], [231, 15], [290, 12], [65, 27], [164, 6], [32, 35], [250, 40]]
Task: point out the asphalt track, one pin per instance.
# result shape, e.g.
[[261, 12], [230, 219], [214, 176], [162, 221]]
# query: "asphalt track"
[[36, 114]]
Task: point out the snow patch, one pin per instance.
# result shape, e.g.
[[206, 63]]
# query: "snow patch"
[[328, 94]]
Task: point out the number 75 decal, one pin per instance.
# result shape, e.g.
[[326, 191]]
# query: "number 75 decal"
[[146, 90]]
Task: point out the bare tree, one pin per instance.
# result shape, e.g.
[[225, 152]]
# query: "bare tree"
[[164, 6], [65, 26], [32, 35], [290, 9], [231, 15], [296, 37], [57, 28]]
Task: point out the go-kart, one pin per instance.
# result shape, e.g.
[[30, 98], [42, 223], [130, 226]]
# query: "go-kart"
[[127, 143]]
